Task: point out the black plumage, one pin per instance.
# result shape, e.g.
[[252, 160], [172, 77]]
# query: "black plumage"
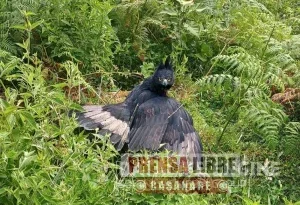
[[147, 119]]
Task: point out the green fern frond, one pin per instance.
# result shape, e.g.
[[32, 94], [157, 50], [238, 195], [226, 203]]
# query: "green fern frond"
[[227, 62], [254, 92], [211, 81], [275, 80], [291, 138], [240, 64], [265, 120], [257, 5]]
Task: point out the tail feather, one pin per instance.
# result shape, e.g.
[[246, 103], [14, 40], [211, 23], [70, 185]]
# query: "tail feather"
[[110, 119]]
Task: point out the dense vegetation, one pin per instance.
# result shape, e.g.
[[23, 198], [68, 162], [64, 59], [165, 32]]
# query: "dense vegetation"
[[237, 66]]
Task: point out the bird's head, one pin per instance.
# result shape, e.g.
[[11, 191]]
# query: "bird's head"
[[164, 75]]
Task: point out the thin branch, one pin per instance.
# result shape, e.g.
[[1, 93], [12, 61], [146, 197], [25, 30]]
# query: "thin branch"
[[246, 90], [223, 49]]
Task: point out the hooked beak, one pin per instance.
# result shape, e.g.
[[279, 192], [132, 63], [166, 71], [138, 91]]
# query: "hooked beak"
[[165, 82]]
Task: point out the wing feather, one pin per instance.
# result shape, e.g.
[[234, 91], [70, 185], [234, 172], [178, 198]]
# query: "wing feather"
[[110, 119], [162, 120]]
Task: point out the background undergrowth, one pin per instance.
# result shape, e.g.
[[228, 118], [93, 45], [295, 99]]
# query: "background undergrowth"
[[237, 68]]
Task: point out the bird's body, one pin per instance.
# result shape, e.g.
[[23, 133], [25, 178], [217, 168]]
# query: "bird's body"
[[147, 119]]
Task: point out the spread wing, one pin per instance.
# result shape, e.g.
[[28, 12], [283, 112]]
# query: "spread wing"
[[149, 125], [162, 120], [181, 136], [110, 119]]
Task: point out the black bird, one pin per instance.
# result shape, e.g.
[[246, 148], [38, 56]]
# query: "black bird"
[[147, 119]]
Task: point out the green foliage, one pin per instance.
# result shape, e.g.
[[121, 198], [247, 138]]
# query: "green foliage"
[[230, 58], [291, 137], [80, 31], [248, 82], [267, 121], [42, 161]]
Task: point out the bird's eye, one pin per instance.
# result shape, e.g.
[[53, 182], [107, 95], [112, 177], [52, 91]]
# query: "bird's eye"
[[160, 79], [169, 79]]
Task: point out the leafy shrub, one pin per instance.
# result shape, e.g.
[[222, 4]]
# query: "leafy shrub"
[[55, 54]]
